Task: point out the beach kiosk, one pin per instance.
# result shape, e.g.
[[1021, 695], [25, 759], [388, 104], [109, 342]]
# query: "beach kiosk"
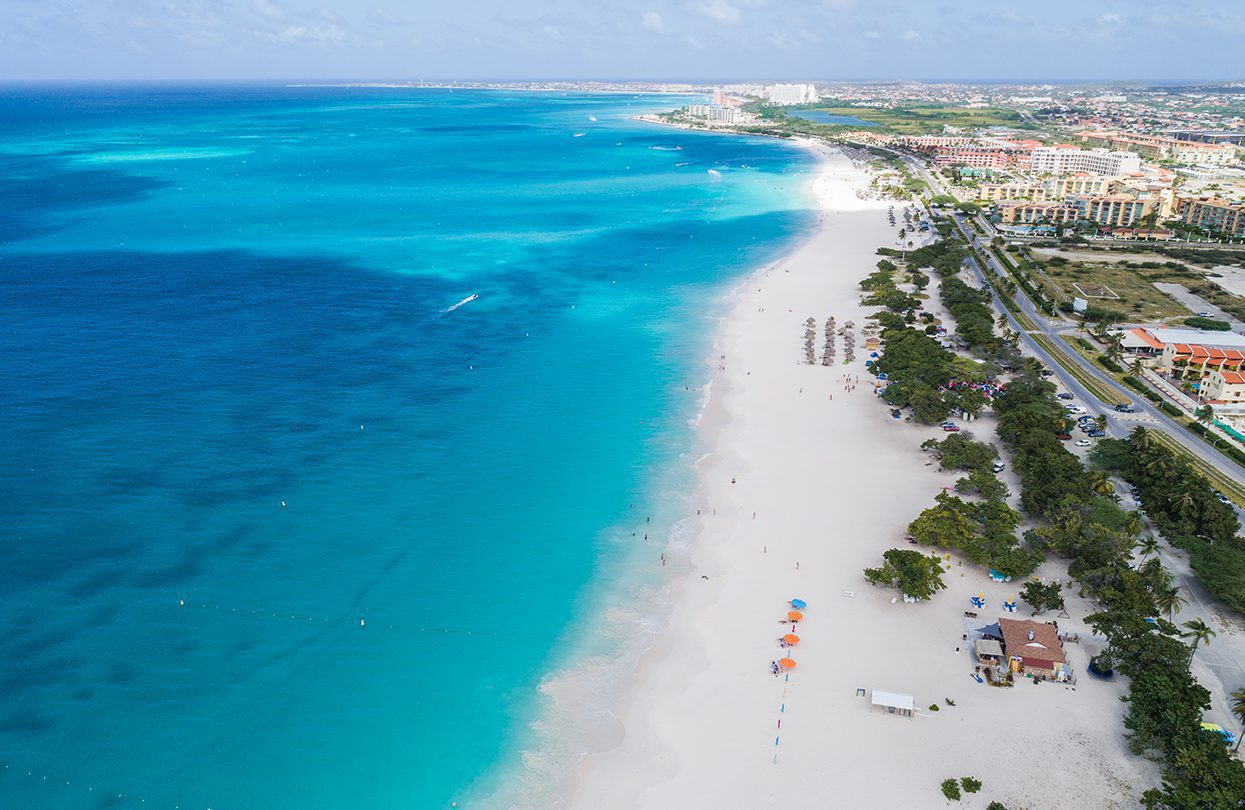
[[892, 702]]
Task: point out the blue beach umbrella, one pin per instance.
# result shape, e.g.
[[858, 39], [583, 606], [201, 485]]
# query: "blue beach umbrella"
[[799, 604]]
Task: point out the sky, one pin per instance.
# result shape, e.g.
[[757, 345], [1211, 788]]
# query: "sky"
[[621, 39]]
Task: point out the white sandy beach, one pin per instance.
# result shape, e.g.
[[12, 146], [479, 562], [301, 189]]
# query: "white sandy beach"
[[833, 482]]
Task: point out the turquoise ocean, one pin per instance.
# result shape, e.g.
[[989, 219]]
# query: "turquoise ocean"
[[285, 520]]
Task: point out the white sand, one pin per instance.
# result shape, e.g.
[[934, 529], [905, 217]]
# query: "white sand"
[[833, 483]]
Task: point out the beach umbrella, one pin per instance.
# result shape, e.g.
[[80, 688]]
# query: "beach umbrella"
[[795, 615], [791, 638], [799, 604], [787, 663]]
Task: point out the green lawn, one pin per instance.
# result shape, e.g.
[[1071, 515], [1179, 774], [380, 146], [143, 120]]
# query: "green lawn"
[[926, 119]]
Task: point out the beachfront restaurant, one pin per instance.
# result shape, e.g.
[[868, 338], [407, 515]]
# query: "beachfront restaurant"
[[892, 702], [1033, 648]]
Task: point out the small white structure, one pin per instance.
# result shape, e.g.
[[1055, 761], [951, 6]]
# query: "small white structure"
[[892, 702]]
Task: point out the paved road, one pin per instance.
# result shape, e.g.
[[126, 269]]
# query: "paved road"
[[1219, 665], [1120, 424], [1197, 303]]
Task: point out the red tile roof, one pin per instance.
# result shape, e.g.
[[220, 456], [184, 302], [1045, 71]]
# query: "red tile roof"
[[1043, 651], [1150, 339], [1233, 377]]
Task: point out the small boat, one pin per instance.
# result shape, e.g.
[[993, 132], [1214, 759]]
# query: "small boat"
[[580, 134], [592, 118]]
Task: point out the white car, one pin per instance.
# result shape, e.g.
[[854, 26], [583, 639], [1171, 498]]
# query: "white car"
[[1083, 442]]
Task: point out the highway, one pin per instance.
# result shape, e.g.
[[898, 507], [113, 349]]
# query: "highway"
[[1119, 425]]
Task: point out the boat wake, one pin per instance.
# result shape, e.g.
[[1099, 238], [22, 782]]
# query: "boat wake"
[[466, 300]]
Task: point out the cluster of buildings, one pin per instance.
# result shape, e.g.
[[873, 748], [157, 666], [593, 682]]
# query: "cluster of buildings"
[[1159, 147], [1213, 360], [791, 94], [716, 113]]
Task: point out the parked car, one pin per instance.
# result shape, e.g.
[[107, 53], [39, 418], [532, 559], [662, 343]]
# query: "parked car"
[[1064, 395], [952, 428], [1046, 372], [947, 423], [1097, 434], [1204, 314], [1083, 442], [1222, 498], [1125, 408], [1063, 437], [998, 467]]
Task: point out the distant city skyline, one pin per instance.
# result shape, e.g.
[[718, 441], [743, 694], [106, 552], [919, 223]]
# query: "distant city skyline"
[[698, 40]]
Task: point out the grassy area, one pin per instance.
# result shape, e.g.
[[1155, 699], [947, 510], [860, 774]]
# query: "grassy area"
[[1095, 386], [1139, 299], [1218, 480], [925, 119], [1133, 280]]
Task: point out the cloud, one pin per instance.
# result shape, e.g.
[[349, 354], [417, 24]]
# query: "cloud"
[[692, 42], [653, 22], [719, 11], [268, 9], [873, 34], [301, 33], [1110, 18], [910, 36]]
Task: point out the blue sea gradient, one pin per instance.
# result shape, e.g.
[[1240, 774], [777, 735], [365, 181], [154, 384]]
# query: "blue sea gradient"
[[261, 475]]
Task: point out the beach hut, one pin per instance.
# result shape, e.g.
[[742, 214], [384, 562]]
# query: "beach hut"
[[892, 702]]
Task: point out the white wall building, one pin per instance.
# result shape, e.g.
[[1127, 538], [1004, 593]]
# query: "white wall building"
[[715, 112], [1061, 160], [792, 94]]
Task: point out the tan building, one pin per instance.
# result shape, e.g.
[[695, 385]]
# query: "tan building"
[[1157, 147], [1224, 387], [1050, 189], [1116, 210], [1214, 214], [1016, 212]]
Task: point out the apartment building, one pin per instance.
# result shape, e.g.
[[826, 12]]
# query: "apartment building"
[[1157, 147], [1066, 159], [1018, 212], [1114, 210], [792, 94], [715, 112], [1049, 189], [1214, 214]]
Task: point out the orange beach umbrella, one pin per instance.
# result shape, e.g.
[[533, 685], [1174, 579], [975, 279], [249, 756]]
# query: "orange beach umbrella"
[[787, 663], [791, 638], [795, 615]]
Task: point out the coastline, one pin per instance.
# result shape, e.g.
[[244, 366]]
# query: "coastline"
[[803, 484]]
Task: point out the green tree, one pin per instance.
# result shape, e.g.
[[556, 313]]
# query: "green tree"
[[913, 573], [1198, 632], [1148, 546], [1169, 601], [1042, 596], [1238, 709], [946, 524]]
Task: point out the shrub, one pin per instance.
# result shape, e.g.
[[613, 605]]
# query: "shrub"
[[1169, 409], [996, 806], [951, 789], [1135, 384], [1208, 323], [970, 784], [1153, 396], [1109, 364]]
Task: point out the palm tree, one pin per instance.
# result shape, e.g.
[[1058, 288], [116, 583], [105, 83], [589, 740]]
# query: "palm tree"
[[1170, 602], [1148, 546], [1238, 708], [1135, 367], [1100, 422], [1101, 484], [1133, 527], [1185, 503], [1115, 352], [1001, 322], [1199, 633], [1141, 439], [1206, 416]]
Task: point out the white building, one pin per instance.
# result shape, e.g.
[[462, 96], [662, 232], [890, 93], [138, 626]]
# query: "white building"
[[715, 112], [1064, 160], [792, 94]]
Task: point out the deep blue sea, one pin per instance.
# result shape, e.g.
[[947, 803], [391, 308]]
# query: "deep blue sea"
[[260, 475]]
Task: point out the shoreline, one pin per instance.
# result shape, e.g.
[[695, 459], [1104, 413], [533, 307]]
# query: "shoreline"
[[804, 482]]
